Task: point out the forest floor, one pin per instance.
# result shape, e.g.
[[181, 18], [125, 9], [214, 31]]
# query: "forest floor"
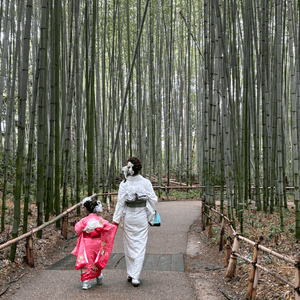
[[207, 264]]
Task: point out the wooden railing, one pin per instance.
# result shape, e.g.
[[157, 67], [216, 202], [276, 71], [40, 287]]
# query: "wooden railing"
[[232, 253]]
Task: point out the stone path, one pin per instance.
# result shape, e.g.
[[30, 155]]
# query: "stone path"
[[162, 276], [153, 262]]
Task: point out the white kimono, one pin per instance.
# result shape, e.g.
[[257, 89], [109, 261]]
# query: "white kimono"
[[134, 221]]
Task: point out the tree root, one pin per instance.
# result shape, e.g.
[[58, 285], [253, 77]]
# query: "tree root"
[[11, 283], [67, 241], [227, 297]]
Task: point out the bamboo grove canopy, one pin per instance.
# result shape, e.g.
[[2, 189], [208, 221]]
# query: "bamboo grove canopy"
[[207, 91]]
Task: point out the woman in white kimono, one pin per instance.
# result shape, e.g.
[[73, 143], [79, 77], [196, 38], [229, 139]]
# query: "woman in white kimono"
[[134, 211]]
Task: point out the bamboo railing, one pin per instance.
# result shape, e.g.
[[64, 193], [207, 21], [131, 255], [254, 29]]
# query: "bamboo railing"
[[64, 229], [64, 225], [232, 253]]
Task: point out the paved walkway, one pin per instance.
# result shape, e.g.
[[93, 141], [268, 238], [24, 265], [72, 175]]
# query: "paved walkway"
[[162, 276]]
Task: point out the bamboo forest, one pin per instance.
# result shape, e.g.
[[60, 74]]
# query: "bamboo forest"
[[206, 92]]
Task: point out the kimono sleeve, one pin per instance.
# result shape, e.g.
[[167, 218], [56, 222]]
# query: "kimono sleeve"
[[120, 204], [152, 196], [79, 226], [151, 203], [107, 242]]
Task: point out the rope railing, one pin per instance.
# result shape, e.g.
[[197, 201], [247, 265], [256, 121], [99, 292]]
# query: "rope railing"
[[232, 253]]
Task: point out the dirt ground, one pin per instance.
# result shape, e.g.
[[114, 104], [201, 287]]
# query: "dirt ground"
[[47, 250], [204, 266], [208, 263]]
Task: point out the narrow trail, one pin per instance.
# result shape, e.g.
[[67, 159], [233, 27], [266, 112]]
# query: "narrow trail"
[[163, 275]]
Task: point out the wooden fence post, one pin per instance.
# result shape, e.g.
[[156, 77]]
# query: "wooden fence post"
[[108, 203], [29, 251], [210, 224], [297, 278], [201, 212], [229, 231], [221, 244], [227, 251], [251, 293], [233, 258], [64, 228], [256, 278], [166, 191]]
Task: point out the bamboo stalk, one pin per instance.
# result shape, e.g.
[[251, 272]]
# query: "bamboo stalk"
[[222, 215], [108, 203], [232, 262], [210, 225], [256, 278], [227, 251], [104, 194], [287, 259], [264, 269], [64, 228], [221, 244], [291, 284], [210, 218], [166, 191], [156, 187], [121, 115], [297, 278], [198, 187], [246, 240], [242, 257], [232, 229], [203, 215], [23, 236], [181, 183], [253, 271], [29, 252]]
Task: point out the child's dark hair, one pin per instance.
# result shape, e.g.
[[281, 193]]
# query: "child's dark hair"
[[90, 205], [137, 164]]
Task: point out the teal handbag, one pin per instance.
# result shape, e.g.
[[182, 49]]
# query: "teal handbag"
[[157, 220]]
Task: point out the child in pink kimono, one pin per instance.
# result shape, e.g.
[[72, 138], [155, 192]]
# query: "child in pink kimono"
[[94, 244]]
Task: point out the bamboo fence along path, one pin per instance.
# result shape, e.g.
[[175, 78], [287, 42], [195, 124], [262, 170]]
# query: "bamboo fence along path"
[[232, 253], [64, 225], [64, 229]]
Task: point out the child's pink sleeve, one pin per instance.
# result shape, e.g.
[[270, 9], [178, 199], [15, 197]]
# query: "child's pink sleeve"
[[79, 226], [106, 225]]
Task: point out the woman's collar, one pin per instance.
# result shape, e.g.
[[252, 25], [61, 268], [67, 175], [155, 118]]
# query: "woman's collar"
[[134, 177]]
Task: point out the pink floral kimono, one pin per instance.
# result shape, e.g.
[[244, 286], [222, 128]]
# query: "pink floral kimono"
[[93, 249]]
